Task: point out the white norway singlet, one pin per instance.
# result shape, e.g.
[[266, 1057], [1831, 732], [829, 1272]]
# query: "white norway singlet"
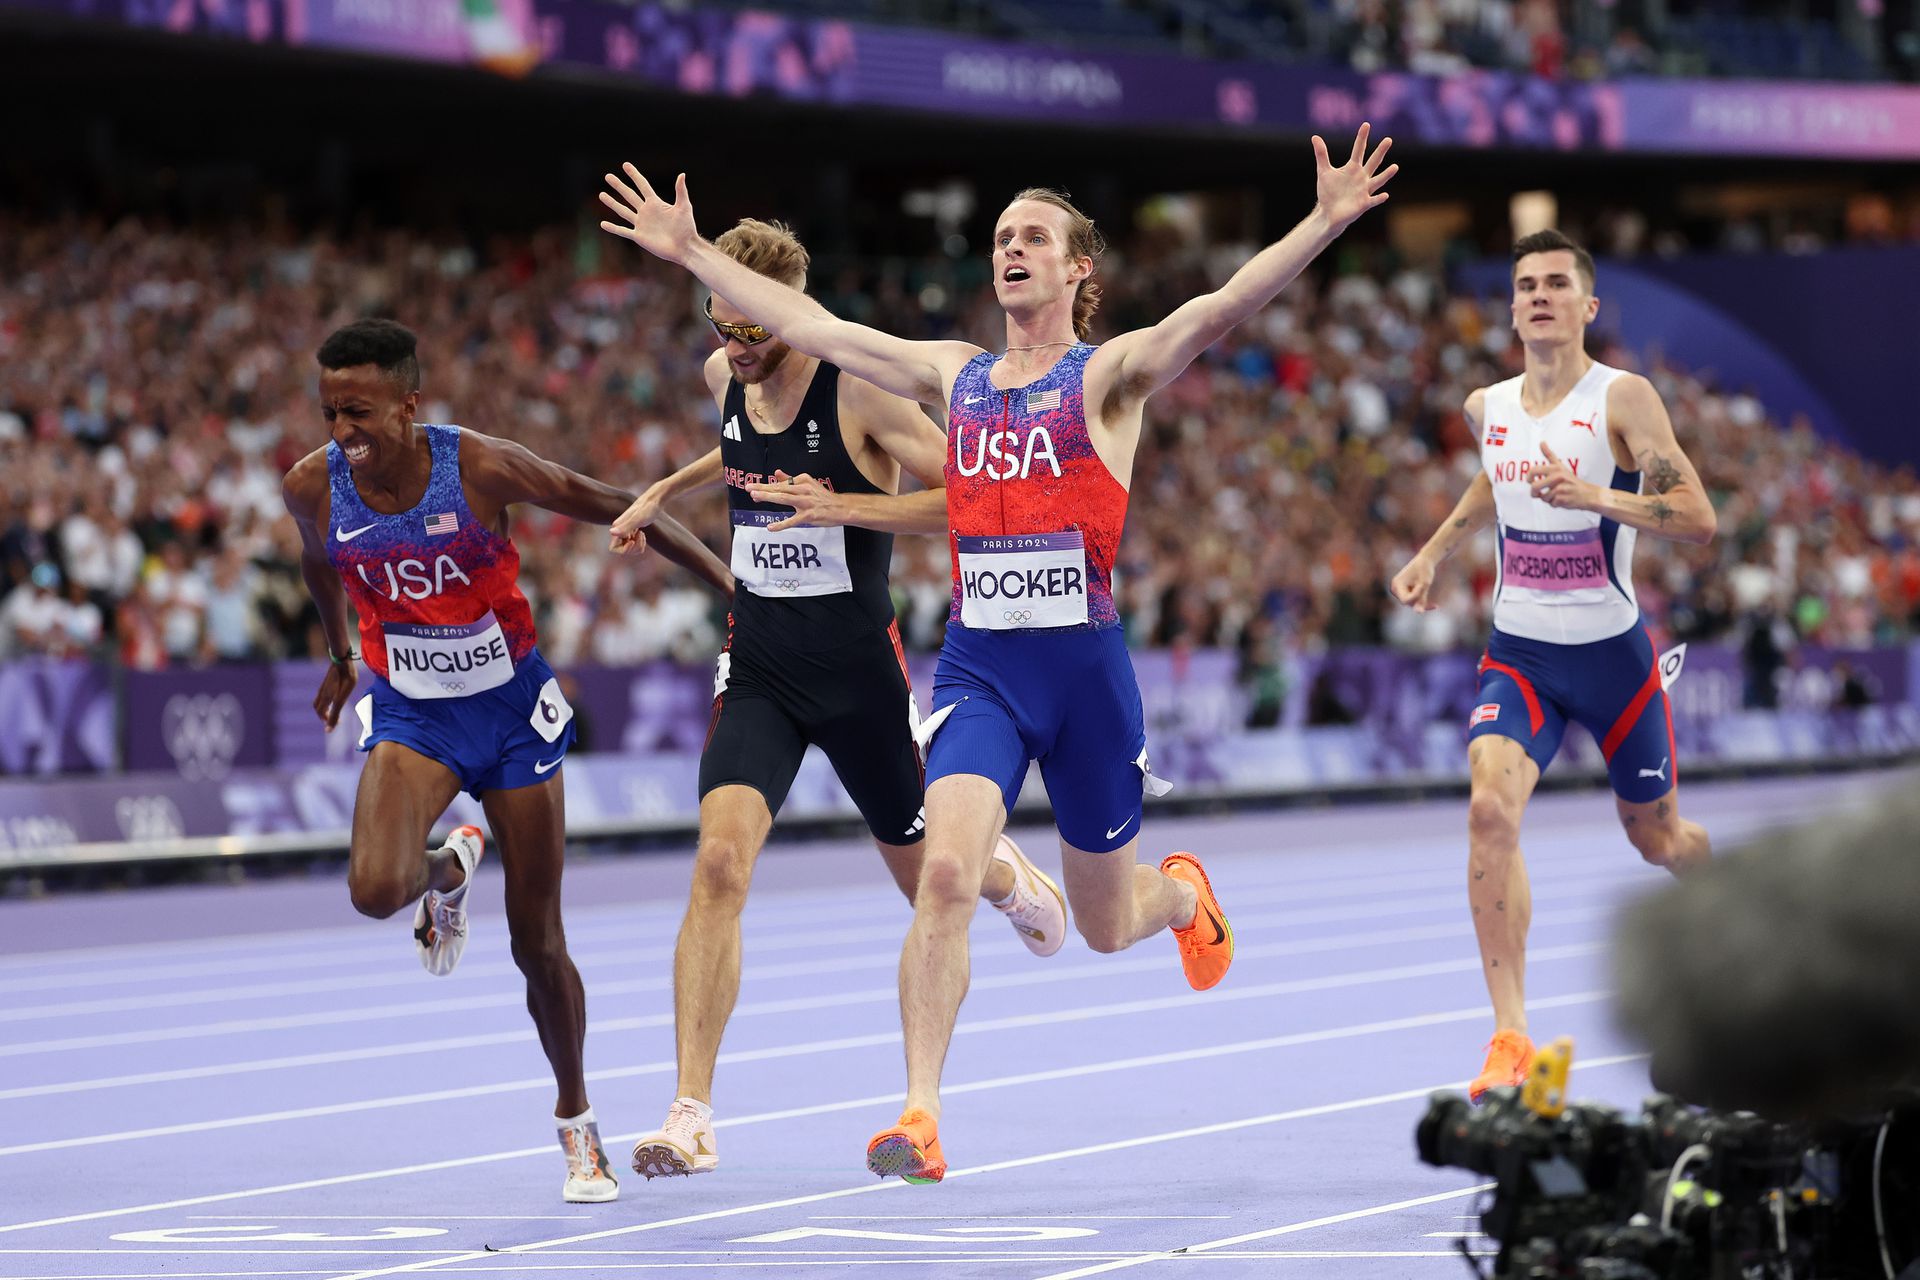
[[1564, 577]]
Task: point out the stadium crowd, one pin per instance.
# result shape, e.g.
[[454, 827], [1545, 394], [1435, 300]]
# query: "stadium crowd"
[[155, 383]]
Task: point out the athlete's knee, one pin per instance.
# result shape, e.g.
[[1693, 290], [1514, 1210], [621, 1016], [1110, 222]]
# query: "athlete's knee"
[[378, 891], [1104, 936], [1493, 819], [722, 873], [1657, 842], [946, 883], [540, 949]]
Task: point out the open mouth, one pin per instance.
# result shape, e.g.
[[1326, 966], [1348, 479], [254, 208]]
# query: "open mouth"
[[357, 452], [1014, 275]]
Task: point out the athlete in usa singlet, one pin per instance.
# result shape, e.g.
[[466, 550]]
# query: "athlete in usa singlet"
[[1035, 664]]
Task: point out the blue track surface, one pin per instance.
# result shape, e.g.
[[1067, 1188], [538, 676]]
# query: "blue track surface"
[[249, 1081]]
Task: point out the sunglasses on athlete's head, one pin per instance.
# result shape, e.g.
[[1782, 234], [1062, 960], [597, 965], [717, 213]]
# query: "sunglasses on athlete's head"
[[750, 334]]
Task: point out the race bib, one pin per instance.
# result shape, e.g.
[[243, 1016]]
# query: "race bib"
[[1016, 581], [429, 660], [790, 563], [1562, 560]]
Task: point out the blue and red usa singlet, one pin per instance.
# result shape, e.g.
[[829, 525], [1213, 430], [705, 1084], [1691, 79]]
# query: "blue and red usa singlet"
[[441, 613], [1035, 514]]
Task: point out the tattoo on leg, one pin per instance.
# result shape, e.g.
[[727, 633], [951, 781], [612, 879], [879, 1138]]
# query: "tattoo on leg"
[[1461, 523], [1661, 812], [1500, 906], [1476, 911], [1632, 818], [1479, 875], [1494, 963]]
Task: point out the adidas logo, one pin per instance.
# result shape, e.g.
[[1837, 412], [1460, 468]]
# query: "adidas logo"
[[731, 428], [919, 822]]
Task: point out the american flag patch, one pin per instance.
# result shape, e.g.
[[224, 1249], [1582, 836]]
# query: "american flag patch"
[[1496, 435], [445, 522], [1041, 401]]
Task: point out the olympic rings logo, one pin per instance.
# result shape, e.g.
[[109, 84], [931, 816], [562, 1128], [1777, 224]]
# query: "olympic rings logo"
[[787, 584], [454, 686], [203, 733], [1018, 615]]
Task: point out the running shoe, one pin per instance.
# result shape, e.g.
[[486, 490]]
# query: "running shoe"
[[910, 1150], [1206, 945], [684, 1145], [1037, 911], [440, 919], [1509, 1060], [589, 1180]]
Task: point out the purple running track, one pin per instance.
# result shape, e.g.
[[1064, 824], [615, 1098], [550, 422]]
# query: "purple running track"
[[250, 1081]]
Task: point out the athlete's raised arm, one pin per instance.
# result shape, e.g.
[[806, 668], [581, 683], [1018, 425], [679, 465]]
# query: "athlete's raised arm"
[[1149, 359], [507, 472], [303, 490], [920, 371], [1675, 504]]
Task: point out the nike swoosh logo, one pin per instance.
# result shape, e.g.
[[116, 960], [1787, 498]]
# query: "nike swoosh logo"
[[1122, 827], [548, 766], [348, 535], [973, 400], [1219, 930]]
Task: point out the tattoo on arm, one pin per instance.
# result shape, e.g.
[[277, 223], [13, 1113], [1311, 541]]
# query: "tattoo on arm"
[[1662, 475], [1660, 511]]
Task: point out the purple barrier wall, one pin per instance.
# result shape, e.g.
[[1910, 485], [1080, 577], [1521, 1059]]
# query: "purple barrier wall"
[[739, 53], [205, 724]]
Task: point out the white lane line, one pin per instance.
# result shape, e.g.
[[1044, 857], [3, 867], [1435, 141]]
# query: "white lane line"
[[1201, 1250], [1226, 1126], [1018, 1217], [1095, 966], [789, 1113], [784, 969], [1047, 1018], [620, 919]]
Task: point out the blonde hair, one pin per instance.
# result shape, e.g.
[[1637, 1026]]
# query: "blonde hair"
[[1083, 241], [767, 248]]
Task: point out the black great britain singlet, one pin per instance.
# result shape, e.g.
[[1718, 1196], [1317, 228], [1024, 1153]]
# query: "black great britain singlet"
[[807, 589]]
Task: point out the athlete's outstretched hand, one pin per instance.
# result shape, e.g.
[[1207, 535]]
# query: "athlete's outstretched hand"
[[1354, 187], [335, 688], [628, 531], [814, 505], [662, 229], [1413, 585], [1556, 485]]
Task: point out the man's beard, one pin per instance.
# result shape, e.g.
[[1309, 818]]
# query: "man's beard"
[[767, 364]]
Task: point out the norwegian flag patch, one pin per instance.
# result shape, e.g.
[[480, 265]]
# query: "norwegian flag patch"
[[1041, 401], [1496, 435], [1484, 712], [445, 522]]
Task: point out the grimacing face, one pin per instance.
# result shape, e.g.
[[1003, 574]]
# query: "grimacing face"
[[1552, 301], [366, 413], [1033, 263], [748, 364]]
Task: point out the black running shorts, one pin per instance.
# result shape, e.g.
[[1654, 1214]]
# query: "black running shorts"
[[852, 701]]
